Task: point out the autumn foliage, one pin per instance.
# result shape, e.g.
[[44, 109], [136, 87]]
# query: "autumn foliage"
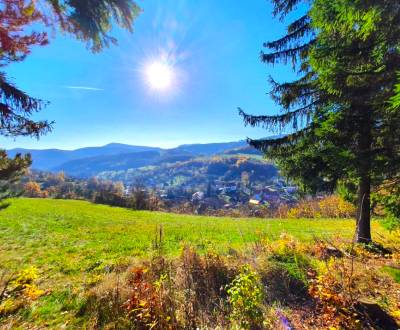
[[32, 189], [332, 206], [16, 16]]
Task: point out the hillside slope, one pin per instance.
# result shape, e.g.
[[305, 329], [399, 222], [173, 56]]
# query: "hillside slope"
[[47, 159], [84, 162], [73, 245], [86, 231]]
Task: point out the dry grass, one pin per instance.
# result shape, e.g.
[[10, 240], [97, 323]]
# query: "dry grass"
[[309, 286]]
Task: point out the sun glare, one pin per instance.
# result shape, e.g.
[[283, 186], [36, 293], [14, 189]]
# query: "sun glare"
[[159, 75]]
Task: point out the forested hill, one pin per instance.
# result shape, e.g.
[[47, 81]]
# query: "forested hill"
[[49, 159], [86, 162]]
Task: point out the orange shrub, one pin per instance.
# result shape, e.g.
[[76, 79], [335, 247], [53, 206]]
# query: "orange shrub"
[[332, 206], [305, 209], [336, 207], [32, 189]]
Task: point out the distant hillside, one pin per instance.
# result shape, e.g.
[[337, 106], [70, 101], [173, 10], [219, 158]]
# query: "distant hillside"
[[198, 173], [85, 162], [246, 150], [87, 167], [209, 149], [49, 159]]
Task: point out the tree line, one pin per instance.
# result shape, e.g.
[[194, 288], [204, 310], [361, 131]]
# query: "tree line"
[[38, 184]]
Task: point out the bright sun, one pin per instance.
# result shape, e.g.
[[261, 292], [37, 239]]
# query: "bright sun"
[[159, 75]]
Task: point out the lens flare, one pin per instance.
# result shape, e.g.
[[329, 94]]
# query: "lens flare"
[[159, 75]]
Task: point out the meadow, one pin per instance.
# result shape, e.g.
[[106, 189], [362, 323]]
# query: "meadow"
[[68, 242], [66, 237]]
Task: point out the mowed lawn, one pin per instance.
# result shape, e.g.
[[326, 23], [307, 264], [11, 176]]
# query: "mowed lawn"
[[66, 236]]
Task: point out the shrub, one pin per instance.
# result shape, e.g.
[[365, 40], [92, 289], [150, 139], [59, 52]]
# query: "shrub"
[[109, 198], [245, 295], [336, 207], [331, 293], [332, 206], [104, 302], [32, 189], [285, 270], [201, 281], [145, 305], [19, 291]]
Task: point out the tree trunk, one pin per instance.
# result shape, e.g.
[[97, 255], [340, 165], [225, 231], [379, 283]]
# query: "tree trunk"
[[363, 234]]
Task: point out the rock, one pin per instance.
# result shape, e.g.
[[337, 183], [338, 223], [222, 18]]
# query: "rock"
[[377, 315]]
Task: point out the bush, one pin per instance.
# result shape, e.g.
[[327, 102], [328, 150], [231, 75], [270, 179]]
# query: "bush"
[[105, 302], [145, 306], [285, 270], [336, 207], [200, 282], [331, 206], [109, 198], [245, 295], [212, 291], [19, 291], [32, 189]]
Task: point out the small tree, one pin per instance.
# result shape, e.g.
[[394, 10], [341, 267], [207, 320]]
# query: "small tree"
[[139, 197], [10, 172], [32, 189]]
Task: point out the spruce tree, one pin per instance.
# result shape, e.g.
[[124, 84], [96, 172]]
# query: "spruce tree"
[[348, 52]]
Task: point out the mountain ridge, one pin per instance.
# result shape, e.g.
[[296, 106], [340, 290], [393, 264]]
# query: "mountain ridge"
[[88, 161]]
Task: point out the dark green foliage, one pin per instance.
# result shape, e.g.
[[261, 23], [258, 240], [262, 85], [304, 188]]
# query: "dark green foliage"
[[395, 101], [296, 265], [16, 108], [91, 20], [340, 126], [10, 172], [388, 196]]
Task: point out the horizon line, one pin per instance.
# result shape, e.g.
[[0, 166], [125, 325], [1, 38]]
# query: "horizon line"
[[126, 144]]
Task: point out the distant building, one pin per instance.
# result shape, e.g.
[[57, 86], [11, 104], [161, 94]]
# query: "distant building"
[[291, 190], [198, 196]]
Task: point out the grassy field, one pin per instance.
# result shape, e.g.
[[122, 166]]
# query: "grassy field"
[[66, 240], [65, 236]]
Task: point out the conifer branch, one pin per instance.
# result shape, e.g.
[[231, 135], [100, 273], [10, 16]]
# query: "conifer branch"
[[283, 56], [279, 121], [265, 145], [297, 30]]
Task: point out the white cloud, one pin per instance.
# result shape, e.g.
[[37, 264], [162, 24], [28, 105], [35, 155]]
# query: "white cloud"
[[86, 88]]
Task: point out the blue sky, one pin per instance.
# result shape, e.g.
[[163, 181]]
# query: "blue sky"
[[96, 99]]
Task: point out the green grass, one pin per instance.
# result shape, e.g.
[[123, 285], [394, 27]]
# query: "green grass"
[[71, 236], [70, 241], [393, 272]]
